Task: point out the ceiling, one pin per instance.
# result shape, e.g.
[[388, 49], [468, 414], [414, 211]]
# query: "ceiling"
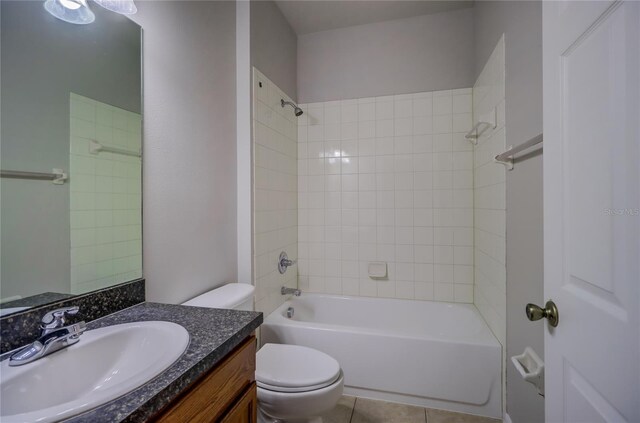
[[307, 16]]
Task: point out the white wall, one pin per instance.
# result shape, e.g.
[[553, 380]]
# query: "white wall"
[[423, 53], [189, 141], [387, 179], [274, 45], [275, 201], [244, 142], [521, 22]]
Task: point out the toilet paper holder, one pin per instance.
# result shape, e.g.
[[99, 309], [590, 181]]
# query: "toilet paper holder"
[[531, 368]]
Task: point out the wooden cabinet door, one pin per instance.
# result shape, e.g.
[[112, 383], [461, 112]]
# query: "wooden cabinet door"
[[207, 399], [245, 410]]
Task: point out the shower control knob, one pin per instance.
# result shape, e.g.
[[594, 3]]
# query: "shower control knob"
[[284, 262], [549, 312]]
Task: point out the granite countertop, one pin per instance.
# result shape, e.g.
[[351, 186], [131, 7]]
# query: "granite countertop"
[[37, 300], [213, 334]]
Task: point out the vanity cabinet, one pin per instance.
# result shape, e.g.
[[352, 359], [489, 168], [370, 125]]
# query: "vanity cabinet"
[[227, 394], [244, 410]]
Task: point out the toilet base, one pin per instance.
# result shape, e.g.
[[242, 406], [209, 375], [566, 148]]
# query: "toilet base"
[[263, 418], [298, 407]]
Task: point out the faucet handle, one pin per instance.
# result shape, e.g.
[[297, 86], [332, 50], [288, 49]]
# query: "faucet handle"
[[57, 318], [284, 262]]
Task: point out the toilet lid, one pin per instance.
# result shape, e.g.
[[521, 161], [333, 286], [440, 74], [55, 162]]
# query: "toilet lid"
[[294, 368]]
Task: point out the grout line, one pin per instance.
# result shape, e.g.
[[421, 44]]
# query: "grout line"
[[353, 410], [426, 418]]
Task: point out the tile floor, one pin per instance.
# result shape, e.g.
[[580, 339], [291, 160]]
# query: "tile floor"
[[362, 410]]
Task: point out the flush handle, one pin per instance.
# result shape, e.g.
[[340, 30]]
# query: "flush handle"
[[549, 312]]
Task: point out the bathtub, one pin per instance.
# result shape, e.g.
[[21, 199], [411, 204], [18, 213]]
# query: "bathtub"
[[431, 354]]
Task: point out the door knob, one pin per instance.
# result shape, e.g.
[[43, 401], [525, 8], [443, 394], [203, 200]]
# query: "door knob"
[[549, 312]]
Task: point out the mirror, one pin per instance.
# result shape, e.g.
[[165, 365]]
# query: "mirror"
[[71, 117]]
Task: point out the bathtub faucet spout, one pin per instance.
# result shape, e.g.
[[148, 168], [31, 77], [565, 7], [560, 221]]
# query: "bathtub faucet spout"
[[286, 291]]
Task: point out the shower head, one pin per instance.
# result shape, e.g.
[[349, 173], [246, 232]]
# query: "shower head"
[[297, 110]]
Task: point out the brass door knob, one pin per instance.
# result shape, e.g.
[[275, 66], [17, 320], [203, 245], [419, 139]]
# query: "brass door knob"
[[549, 312]]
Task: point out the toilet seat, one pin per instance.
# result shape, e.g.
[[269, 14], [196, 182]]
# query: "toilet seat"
[[294, 368]]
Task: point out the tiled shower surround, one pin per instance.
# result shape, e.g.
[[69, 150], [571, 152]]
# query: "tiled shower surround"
[[106, 205], [387, 179], [489, 183], [275, 192], [490, 295]]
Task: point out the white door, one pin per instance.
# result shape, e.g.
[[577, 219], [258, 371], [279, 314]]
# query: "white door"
[[591, 212]]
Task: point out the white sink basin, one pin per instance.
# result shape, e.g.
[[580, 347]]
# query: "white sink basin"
[[106, 364]]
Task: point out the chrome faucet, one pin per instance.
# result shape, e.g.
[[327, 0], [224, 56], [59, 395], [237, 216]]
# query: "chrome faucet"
[[284, 262], [286, 291], [54, 336]]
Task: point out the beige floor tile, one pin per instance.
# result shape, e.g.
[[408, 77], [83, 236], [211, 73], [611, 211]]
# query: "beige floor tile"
[[370, 411], [342, 411], [440, 416]]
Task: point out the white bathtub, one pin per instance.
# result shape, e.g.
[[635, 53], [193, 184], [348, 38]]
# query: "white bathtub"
[[431, 354]]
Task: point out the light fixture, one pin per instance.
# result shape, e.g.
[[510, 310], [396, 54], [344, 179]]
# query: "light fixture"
[[72, 11], [124, 7]]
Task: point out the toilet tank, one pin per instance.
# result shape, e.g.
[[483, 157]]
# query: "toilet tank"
[[238, 296]]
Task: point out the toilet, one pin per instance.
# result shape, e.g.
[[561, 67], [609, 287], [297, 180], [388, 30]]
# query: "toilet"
[[296, 384]]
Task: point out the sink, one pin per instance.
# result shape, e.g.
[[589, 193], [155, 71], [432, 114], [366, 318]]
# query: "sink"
[[107, 363]]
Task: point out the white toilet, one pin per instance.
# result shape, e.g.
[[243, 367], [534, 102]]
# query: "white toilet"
[[296, 384]]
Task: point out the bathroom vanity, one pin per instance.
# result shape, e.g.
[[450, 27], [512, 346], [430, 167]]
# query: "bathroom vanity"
[[213, 380], [226, 394]]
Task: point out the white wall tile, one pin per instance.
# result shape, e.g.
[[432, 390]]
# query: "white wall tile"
[[489, 199], [384, 109], [442, 105], [384, 128], [105, 202], [367, 111], [283, 160], [398, 171], [423, 106]]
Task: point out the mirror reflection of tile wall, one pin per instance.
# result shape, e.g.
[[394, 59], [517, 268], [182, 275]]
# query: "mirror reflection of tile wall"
[[106, 201]]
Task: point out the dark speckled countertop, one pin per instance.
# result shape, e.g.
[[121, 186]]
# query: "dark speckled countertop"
[[214, 333]]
